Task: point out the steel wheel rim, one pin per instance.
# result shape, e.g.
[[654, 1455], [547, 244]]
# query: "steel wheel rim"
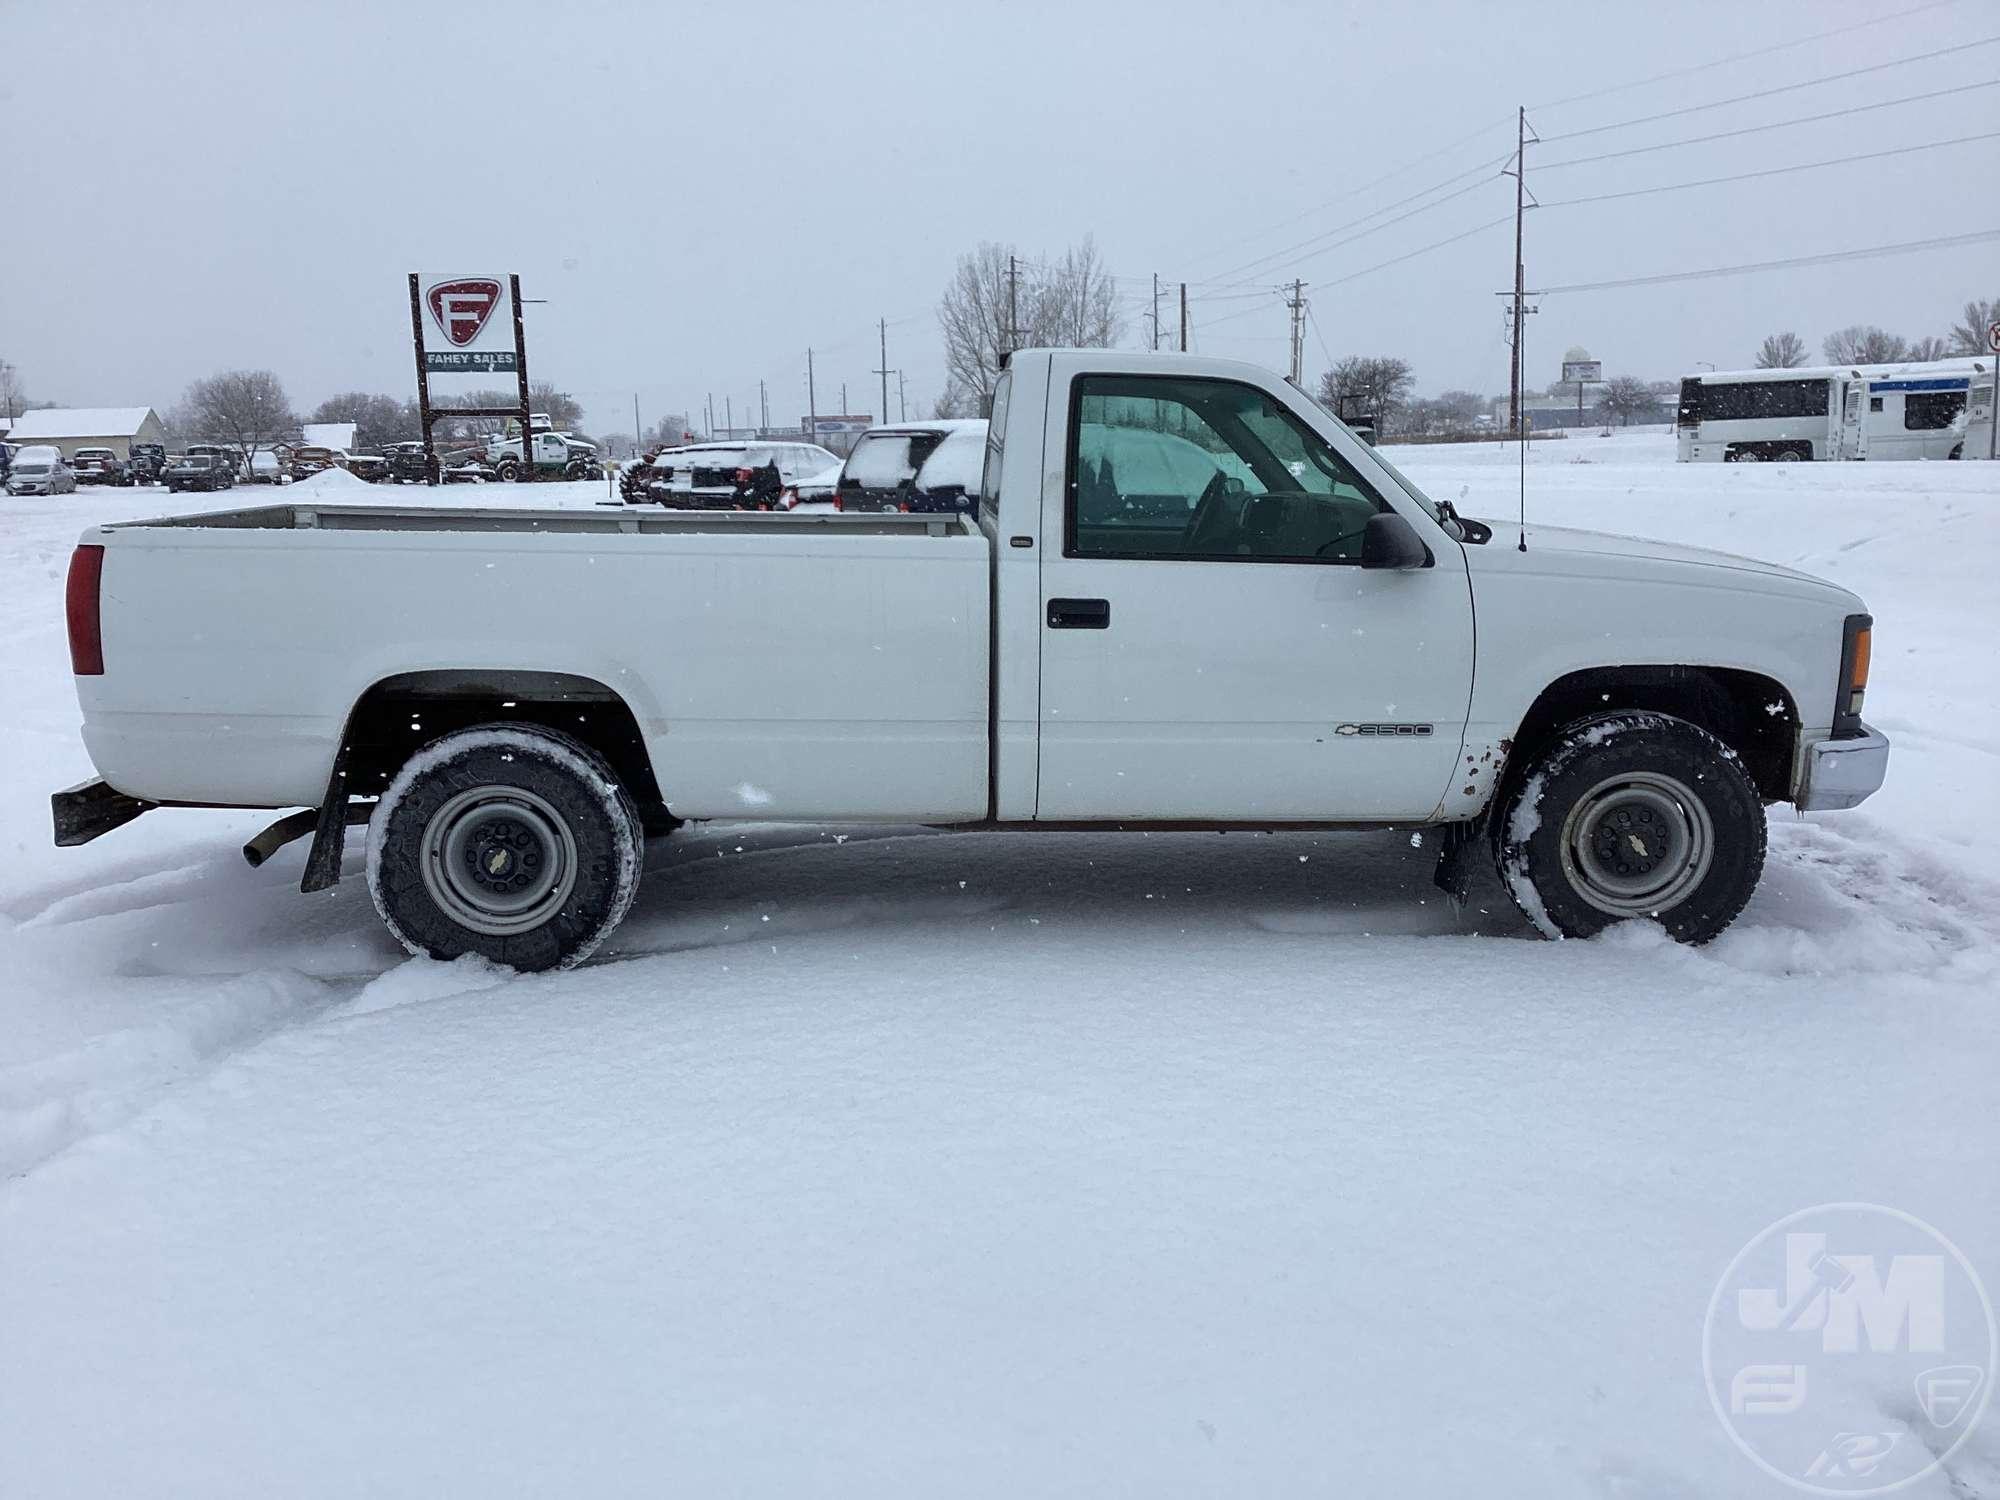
[[1636, 843], [499, 860]]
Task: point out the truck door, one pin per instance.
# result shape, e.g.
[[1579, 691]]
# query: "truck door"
[[1211, 647], [1854, 420]]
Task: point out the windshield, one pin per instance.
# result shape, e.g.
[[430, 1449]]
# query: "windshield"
[[1404, 483]]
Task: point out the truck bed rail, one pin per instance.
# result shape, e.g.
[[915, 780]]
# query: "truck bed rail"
[[607, 521]]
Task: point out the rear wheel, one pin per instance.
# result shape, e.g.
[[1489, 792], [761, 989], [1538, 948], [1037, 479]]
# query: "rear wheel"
[[1787, 456], [511, 841], [1633, 815]]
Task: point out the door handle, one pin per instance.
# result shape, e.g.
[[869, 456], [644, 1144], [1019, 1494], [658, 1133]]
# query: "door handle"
[[1079, 614]]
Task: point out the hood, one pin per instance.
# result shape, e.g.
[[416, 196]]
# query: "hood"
[[1565, 549]]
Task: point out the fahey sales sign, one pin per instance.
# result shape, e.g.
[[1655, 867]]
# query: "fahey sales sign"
[[468, 323]]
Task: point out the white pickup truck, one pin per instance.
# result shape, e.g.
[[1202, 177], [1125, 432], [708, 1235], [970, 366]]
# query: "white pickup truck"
[[1262, 625]]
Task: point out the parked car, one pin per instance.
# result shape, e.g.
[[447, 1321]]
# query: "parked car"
[[301, 462], [99, 466], [224, 455], [739, 475], [557, 455], [7, 452], [404, 463], [1294, 648], [370, 468], [265, 467], [817, 489], [914, 466], [147, 462], [199, 471], [40, 469]]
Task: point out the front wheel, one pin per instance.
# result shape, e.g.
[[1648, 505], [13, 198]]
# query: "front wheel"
[[1629, 816], [511, 841]]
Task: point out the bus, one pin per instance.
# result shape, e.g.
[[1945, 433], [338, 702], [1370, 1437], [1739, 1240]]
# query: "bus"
[[1906, 411]]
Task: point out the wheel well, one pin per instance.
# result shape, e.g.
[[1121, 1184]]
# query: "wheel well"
[[1750, 713], [400, 715]]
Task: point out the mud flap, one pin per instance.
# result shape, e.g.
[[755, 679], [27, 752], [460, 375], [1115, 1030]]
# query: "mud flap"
[[1453, 874], [330, 833]]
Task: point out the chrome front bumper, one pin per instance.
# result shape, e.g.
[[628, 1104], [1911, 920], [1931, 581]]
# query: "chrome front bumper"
[[1843, 773]]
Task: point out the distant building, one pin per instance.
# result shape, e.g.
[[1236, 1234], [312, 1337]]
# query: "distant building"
[[338, 436], [71, 428]]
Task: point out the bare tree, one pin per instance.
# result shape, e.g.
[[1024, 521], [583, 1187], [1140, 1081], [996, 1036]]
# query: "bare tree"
[[1865, 344], [377, 419], [1377, 385], [1929, 347], [246, 409], [1781, 351], [13, 397], [1968, 334], [563, 409], [1068, 303], [1626, 397], [1076, 301]]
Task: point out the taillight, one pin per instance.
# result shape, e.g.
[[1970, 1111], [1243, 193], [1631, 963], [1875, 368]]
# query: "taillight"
[[80, 600], [1856, 645], [838, 503]]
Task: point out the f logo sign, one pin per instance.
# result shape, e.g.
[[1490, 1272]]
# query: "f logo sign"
[[461, 308]]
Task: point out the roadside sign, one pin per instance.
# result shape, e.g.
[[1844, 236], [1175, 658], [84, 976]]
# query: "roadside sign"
[[1582, 371], [468, 324], [1993, 335]]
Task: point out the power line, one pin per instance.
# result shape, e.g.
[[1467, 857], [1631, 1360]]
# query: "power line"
[[1384, 265], [1351, 193], [1805, 166], [1725, 135], [1785, 88], [1937, 243], [1276, 255], [1736, 57]]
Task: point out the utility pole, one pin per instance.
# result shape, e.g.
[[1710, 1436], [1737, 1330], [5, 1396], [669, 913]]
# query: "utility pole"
[[843, 398], [812, 403], [1183, 317], [1520, 175], [1155, 345], [729, 416], [711, 415], [1297, 303], [1013, 311], [902, 405], [638, 437], [763, 410], [883, 329]]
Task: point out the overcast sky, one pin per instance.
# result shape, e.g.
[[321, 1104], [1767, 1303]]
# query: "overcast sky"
[[701, 192]]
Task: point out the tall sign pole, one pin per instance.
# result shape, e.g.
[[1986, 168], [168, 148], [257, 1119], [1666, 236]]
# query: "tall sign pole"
[[527, 469], [423, 383], [812, 402]]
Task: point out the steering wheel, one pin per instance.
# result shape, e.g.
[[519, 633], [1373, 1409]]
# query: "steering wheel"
[[1339, 541], [1207, 508]]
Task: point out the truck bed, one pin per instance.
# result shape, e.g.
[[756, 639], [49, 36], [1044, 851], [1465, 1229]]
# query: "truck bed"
[[814, 666]]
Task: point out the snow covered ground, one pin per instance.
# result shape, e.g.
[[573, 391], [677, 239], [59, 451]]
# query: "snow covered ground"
[[905, 1163]]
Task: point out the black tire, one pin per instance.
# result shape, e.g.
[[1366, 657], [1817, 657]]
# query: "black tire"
[[512, 841], [1669, 790], [506, 470]]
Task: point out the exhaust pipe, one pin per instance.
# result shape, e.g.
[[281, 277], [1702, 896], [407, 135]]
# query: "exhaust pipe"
[[296, 826]]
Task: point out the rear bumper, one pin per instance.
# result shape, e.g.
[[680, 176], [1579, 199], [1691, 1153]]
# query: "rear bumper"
[[1844, 773], [91, 809]]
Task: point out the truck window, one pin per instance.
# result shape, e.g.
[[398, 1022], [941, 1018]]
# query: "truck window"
[[996, 436], [1205, 470]]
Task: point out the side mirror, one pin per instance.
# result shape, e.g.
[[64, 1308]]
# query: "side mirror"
[[1388, 541]]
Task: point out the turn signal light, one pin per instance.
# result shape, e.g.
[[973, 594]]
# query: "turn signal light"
[[1856, 647]]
